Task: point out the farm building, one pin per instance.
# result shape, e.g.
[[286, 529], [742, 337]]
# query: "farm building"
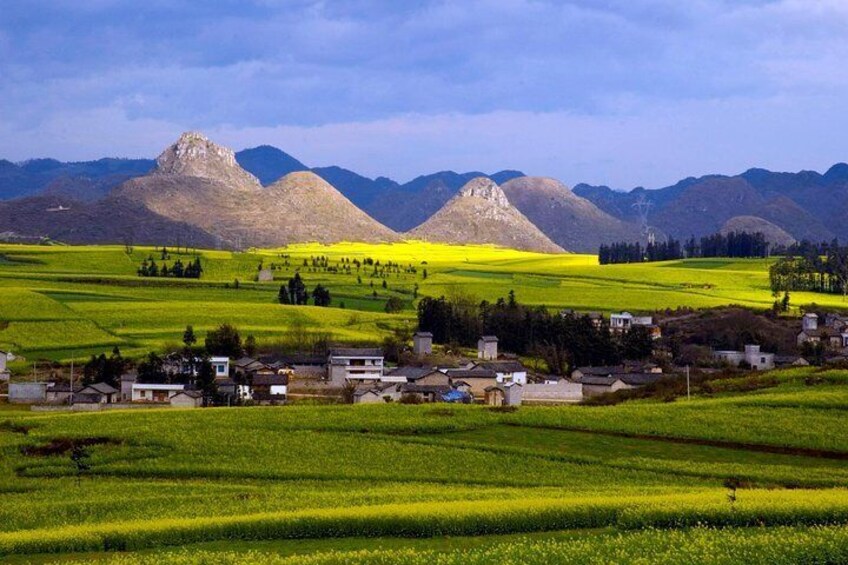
[[107, 393], [376, 393], [556, 391], [506, 371], [187, 399], [487, 348], [422, 343], [127, 380], [154, 392], [355, 364], [833, 336], [28, 393], [751, 356], [269, 388], [477, 379], [424, 393], [506, 394]]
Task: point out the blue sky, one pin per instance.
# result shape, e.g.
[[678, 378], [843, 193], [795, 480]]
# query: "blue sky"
[[618, 92]]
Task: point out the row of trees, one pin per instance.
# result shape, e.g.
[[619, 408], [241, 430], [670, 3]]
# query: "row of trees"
[[562, 341], [295, 292], [624, 252], [812, 272], [191, 270], [733, 244]]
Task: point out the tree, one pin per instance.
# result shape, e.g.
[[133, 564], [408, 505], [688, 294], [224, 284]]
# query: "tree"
[[105, 369], [297, 290], [189, 339], [206, 379], [394, 305], [321, 296], [250, 345], [283, 295], [79, 459], [152, 369], [224, 341]]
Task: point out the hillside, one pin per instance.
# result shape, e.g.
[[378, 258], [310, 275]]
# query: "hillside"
[[268, 163], [481, 213], [570, 221], [753, 224]]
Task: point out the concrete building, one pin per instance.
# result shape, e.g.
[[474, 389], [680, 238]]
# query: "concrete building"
[[550, 392], [422, 343], [154, 392], [506, 371], [128, 379], [506, 394], [355, 364], [187, 399], [28, 393], [752, 356], [487, 348], [221, 366]]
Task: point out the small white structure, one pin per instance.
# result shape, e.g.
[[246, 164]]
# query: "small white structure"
[[422, 343], [187, 399], [355, 364], [810, 321], [506, 371], [154, 392], [752, 355], [487, 348], [221, 366], [506, 394]]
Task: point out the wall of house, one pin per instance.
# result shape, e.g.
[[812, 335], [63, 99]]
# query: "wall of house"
[[563, 392], [27, 393]]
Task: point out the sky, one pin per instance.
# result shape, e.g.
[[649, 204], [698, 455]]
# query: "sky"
[[618, 92]]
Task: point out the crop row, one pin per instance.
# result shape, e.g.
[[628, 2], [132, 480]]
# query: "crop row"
[[754, 508]]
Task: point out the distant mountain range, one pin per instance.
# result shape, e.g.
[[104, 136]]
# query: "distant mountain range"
[[201, 193]]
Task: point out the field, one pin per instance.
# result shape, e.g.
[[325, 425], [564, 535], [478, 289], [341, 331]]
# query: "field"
[[729, 478], [65, 303]]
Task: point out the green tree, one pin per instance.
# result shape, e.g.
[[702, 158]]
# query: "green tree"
[[225, 341], [189, 339], [250, 345], [321, 296], [393, 305], [79, 459]]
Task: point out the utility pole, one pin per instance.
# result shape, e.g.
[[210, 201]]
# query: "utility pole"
[[72, 384], [688, 391]]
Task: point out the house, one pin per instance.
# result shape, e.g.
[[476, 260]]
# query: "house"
[[417, 375], [221, 366], [790, 361], [155, 392], [376, 393], [487, 348], [270, 388], [624, 321], [424, 393], [477, 379], [355, 364], [751, 356], [506, 371], [187, 399], [127, 380], [594, 386], [3, 360], [614, 370], [422, 344], [305, 366], [59, 393], [506, 394], [28, 393], [107, 393], [553, 391]]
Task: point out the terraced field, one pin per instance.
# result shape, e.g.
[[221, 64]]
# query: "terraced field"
[[69, 302], [755, 477]]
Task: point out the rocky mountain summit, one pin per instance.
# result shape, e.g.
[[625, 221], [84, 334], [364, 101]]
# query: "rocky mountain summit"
[[481, 213], [194, 155]]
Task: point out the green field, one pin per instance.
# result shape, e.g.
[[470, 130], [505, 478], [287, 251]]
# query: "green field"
[[641, 482], [68, 302]]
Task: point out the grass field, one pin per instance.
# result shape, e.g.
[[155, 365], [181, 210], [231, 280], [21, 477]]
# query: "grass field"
[[69, 302], [638, 482]]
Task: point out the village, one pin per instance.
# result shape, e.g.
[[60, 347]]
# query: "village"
[[361, 375]]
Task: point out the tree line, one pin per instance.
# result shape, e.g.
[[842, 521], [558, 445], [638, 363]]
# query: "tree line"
[[734, 244], [812, 271], [295, 292], [191, 270], [564, 342]]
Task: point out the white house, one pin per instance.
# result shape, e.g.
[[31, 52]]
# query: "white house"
[[221, 366], [506, 371], [487, 348], [752, 355], [154, 392], [355, 364]]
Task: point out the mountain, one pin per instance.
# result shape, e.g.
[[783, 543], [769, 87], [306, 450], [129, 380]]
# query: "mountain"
[[570, 221], [753, 224], [481, 213], [806, 205], [405, 206], [201, 183], [268, 163], [33, 176], [361, 190]]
